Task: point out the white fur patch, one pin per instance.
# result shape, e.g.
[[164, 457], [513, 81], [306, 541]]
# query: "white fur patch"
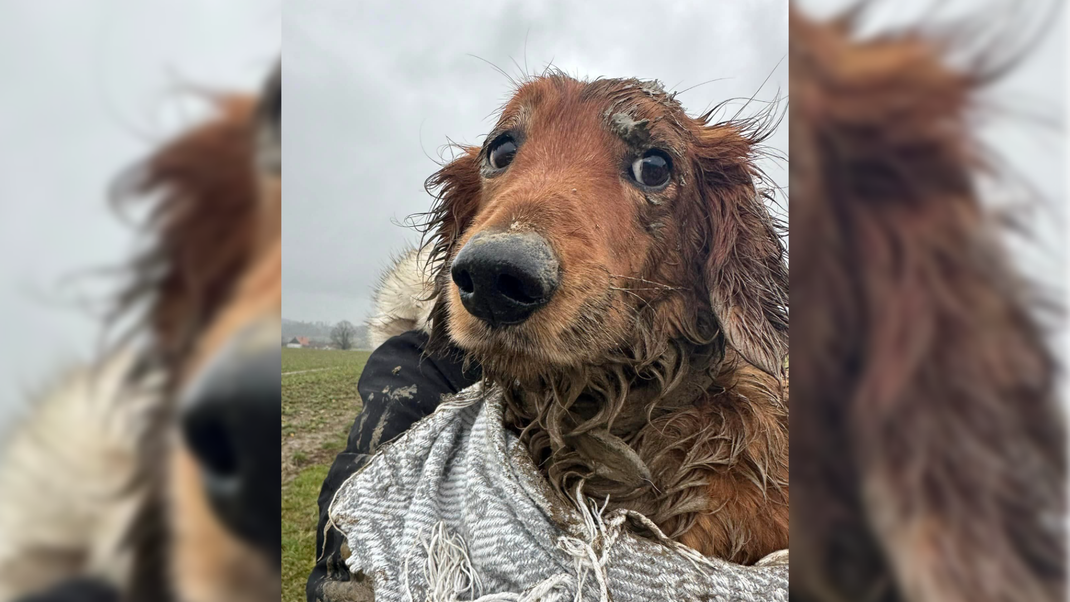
[[66, 473], [403, 298]]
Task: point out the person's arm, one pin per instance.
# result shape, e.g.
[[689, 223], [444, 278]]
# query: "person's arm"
[[398, 387], [77, 590]]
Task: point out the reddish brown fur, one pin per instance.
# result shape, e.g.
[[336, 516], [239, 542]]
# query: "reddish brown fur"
[[929, 449], [214, 269], [669, 327]]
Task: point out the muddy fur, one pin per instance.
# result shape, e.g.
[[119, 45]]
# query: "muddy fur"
[[654, 375]]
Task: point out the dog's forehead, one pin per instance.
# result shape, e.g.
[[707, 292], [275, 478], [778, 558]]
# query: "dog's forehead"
[[626, 94], [634, 110], [630, 95]]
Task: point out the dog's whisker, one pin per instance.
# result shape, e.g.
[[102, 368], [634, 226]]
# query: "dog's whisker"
[[632, 289], [645, 302], [645, 281]]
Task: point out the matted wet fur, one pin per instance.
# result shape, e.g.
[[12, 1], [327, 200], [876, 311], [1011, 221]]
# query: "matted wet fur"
[[654, 374], [929, 447]]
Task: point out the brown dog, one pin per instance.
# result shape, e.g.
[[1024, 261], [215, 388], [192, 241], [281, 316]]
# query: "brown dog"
[[611, 264]]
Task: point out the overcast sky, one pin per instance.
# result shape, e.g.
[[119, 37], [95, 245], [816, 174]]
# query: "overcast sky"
[[374, 89], [87, 88]]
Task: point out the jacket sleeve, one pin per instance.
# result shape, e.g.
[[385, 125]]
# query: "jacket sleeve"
[[398, 386], [77, 590]]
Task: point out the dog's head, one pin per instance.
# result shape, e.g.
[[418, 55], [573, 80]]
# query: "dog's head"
[[212, 289], [599, 218]]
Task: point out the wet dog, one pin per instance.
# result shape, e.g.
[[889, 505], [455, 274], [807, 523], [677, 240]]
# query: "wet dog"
[[612, 265]]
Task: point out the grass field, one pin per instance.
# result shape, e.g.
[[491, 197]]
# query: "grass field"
[[319, 403]]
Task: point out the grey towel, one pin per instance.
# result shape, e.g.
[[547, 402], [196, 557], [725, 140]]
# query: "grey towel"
[[456, 510]]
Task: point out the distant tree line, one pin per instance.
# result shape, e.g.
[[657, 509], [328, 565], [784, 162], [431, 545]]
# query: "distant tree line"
[[313, 330], [341, 335]]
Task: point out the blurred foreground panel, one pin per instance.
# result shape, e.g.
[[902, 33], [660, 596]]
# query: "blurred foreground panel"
[[928, 437], [140, 260]]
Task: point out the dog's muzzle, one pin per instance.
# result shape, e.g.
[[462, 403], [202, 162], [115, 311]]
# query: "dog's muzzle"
[[229, 418], [504, 277]]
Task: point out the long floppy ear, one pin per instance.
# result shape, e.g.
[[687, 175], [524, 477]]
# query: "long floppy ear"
[[457, 188], [744, 264]]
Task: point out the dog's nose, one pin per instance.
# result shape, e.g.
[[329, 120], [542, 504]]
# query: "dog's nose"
[[503, 278], [230, 423]]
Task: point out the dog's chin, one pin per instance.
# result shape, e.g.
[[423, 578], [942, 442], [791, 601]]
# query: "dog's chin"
[[555, 338], [515, 351]]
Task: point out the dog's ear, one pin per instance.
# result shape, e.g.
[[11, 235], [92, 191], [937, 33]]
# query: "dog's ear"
[[743, 258], [457, 188]]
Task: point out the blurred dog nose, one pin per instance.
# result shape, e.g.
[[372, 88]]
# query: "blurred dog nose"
[[503, 278], [230, 423]]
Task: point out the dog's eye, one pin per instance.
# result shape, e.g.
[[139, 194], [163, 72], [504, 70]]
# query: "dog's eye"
[[502, 152], [652, 169]]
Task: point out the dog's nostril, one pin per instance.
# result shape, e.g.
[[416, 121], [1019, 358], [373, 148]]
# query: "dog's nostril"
[[505, 277], [514, 288], [463, 280], [211, 442]]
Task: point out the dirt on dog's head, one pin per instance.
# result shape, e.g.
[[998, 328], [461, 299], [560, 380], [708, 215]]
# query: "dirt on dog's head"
[[599, 222], [209, 285]]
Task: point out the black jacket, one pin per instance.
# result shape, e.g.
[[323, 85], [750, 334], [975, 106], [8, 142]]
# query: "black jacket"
[[399, 386]]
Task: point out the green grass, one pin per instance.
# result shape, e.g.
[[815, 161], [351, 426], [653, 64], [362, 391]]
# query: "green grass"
[[310, 359], [318, 407], [299, 517], [329, 387]]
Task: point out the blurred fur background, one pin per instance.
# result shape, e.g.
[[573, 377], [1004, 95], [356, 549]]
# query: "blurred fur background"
[[928, 433], [152, 344]]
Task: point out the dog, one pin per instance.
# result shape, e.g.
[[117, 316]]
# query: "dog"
[[612, 265], [928, 441], [141, 477]]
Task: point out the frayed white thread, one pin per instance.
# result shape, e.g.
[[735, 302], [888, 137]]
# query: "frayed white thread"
[[539, 593], [449, 573], [447, 568]]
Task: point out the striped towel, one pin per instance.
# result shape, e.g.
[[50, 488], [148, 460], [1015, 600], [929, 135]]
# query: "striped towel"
[[455, 510]]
